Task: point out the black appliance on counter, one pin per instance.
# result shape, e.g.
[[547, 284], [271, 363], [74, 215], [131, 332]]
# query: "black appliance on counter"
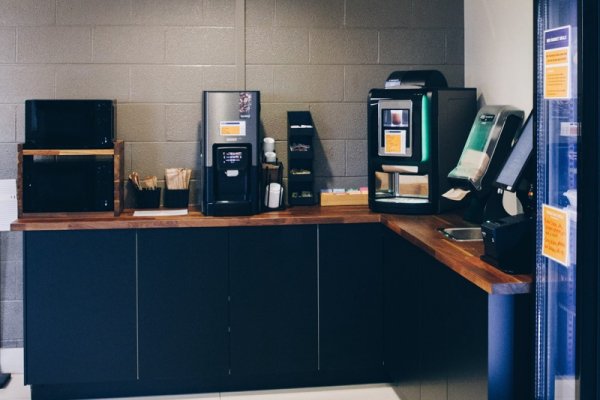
[[69, 124], [230, 152], [79, 175], [509, 241], [484, 152], [67, 184], [417, 127]]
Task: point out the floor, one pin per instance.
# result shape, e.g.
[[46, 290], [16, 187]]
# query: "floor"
[[17, 391]]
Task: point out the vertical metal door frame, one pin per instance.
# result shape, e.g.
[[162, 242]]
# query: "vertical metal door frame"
[[589, 180]]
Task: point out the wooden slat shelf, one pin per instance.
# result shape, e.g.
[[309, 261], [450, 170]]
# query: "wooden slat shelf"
[[117, 153], [68, 152], [420, 230]]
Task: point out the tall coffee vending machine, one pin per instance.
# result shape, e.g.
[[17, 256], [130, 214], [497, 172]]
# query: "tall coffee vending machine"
[[417, 128], [231, 153]]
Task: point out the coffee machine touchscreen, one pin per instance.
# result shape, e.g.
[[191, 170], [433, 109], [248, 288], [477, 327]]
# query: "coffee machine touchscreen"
[[396, 130]]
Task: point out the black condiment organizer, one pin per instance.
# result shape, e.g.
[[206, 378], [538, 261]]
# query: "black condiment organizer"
[[301, 133]]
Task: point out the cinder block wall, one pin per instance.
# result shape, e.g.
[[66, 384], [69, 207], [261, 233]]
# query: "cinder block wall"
[[156, 57]]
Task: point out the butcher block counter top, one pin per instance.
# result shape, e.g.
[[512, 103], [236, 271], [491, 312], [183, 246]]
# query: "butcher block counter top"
[[420, 230]]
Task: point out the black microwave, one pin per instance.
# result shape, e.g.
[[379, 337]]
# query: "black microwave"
[[68, 184], [69, 124]]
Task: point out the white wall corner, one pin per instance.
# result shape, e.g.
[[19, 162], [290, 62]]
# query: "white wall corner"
[[12, 360], [499, 36]]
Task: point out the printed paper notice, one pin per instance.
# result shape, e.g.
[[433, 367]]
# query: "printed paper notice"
[[557, 65], [8, 203], [232, 128], [555, 234]]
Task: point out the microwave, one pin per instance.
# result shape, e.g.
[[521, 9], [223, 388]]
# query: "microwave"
[[68, 184], [69, 124]]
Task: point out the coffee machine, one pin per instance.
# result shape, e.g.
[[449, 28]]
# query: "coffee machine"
[[417, 127], [230, 147]]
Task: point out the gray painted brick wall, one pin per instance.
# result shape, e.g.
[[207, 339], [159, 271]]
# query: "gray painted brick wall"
[[156, 58]]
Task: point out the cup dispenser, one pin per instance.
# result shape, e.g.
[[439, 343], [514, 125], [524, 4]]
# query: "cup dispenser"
[[231, 153], [417, 127]]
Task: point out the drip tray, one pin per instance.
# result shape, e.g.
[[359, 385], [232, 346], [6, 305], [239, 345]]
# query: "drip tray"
[[462, 234]]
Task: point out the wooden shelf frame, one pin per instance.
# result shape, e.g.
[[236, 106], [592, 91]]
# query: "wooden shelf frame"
[[117, 153], [70, 152]]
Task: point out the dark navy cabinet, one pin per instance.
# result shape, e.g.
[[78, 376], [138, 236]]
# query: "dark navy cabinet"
[[447, 339], [351, 299], [80, 306], [273, 310], [436, 327], [113, 313], [403, 284], [183, 303]]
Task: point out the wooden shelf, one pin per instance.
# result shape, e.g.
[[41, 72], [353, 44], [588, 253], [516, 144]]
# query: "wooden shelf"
[[117, 153], [69, 152]]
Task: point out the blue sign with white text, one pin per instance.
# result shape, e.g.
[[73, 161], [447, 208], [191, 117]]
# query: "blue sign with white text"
[[556, 38]]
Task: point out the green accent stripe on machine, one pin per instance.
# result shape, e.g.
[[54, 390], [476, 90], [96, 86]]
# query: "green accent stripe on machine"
[[425, 126]]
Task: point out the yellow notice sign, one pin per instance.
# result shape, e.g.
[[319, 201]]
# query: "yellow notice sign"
[[555, 234], [395, 142], [556, 84], [557, 57]]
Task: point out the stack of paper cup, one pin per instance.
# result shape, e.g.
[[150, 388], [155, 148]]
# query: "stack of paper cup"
[[269, 150], [268, 145], [273, 195]]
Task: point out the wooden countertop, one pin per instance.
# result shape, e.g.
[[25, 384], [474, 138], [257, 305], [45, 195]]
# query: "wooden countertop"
[[461, 257], [421, 230], [195, 219]]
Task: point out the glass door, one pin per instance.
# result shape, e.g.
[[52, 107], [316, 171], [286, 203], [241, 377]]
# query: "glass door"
[[558, 138]]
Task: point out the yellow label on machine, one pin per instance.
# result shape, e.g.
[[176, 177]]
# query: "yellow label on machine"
[[395, 142], [232, 128]]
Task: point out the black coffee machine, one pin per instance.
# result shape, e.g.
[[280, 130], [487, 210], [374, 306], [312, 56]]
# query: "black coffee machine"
[[417, 127], [230, 159]]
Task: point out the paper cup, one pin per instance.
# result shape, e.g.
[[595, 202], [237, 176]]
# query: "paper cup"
[[273, 195], [270, 157], [268, 144]]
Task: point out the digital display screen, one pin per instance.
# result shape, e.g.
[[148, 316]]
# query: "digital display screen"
[[396, 117], [232, 157], [517, 160], [396, 132]]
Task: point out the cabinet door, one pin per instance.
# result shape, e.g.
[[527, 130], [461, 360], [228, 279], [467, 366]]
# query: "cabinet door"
[[183, 277], [351, 297], [273, 300], [403, 286], [436, 327], [80, 306]]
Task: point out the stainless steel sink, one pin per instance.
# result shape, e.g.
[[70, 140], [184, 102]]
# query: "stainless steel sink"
[[462, 234]]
